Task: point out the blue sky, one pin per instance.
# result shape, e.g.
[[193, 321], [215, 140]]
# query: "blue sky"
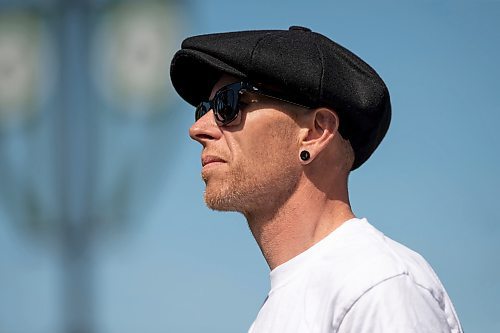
[[432, 184]]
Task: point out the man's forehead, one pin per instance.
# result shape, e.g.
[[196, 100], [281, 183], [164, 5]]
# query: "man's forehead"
[[223, 81]]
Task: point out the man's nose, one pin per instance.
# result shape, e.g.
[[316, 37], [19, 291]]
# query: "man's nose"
[[205, 129]]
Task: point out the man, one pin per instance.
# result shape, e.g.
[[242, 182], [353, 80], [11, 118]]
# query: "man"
[[283, 117]]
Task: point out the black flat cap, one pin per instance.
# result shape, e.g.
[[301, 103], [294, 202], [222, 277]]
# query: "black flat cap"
[[309, 67]]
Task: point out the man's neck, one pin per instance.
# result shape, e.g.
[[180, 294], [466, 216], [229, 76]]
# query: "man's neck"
[[305, 218]]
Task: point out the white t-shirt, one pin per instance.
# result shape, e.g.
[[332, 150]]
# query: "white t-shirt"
[[356, 280]]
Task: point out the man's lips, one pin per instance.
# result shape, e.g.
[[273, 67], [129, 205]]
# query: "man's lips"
[[207, 159]]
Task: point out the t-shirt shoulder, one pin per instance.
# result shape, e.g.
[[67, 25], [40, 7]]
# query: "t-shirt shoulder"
[[361, 257]]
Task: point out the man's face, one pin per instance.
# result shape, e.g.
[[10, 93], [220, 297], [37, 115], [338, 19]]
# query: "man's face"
[[253, 165]]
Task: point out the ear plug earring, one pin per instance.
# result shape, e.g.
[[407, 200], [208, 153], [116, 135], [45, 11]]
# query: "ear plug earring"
[[304, 155]]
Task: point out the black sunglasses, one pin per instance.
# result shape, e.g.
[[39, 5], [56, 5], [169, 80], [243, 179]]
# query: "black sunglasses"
[[226, 103]]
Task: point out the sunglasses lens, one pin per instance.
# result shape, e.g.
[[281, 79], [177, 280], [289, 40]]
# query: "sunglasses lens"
[[201, 110], [226, 106]]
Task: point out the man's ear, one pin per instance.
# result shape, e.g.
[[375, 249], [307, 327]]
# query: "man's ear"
[[320, 127]]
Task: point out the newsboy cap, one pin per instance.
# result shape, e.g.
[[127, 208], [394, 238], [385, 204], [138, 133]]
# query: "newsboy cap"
[[308, 67]]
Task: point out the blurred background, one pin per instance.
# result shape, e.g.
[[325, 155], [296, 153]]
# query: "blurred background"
[[103, 228]]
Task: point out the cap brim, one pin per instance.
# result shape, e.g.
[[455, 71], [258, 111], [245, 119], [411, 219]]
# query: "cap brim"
[[194, 73]]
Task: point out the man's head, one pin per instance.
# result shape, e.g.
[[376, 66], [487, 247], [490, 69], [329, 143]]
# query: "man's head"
[[255, 159], [301, 91]]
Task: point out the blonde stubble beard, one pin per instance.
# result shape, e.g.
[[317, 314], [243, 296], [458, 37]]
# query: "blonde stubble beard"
[[261, 183], [265, 189]]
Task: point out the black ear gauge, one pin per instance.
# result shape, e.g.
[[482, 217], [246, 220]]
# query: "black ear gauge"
[[304, 155]]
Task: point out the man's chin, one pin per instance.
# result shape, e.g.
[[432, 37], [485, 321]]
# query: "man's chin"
[[220, 201]]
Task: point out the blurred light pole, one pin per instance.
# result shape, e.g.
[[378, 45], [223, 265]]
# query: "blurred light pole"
[[84, 93]]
